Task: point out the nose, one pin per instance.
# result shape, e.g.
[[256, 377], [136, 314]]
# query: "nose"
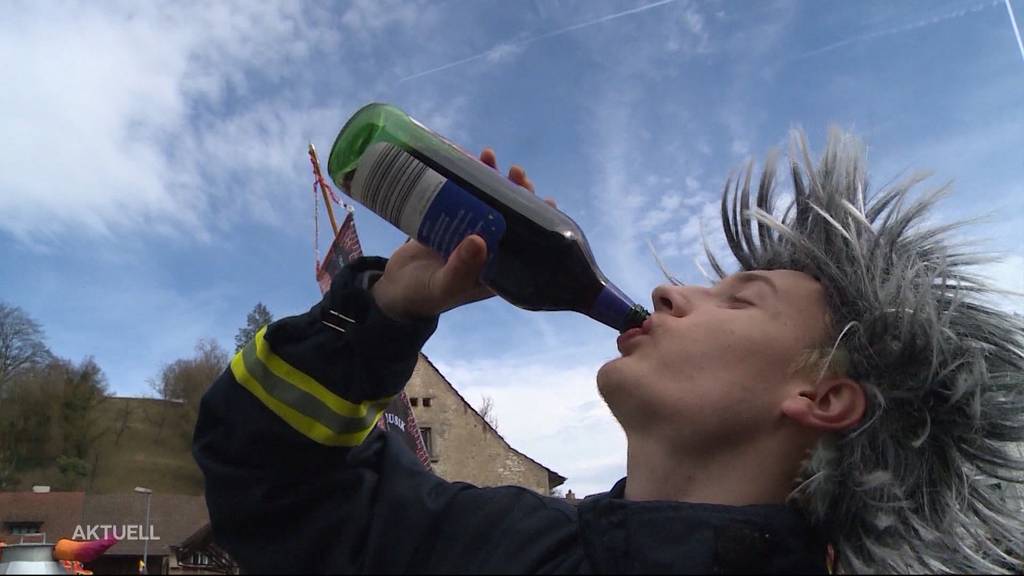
[[671, 299]]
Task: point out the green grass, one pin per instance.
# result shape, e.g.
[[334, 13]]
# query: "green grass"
[[146, 455]]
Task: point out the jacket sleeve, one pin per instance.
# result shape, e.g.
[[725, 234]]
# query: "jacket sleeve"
[[299, 479]]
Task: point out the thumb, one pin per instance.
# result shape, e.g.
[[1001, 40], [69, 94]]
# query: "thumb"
[[462, 271]]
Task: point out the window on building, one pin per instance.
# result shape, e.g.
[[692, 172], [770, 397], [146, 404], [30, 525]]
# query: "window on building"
[[22, 528], [428, 443], [426, 402], [199, 559], [414, 401]]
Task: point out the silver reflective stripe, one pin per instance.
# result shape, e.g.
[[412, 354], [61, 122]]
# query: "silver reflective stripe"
[[303, 402]]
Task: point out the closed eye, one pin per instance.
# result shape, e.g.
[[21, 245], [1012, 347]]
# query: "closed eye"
[[739, 302]]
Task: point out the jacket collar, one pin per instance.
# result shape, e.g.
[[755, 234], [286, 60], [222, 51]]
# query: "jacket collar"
[[655, 537]]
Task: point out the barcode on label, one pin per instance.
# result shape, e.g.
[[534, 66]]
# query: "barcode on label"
[[386, 184]]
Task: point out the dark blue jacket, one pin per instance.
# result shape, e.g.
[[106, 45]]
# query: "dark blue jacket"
[[298, 478]]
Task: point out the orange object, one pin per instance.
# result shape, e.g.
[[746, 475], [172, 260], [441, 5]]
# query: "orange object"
[[81, 551]]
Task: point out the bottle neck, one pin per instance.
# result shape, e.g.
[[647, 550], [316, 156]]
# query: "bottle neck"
[[616, 310]]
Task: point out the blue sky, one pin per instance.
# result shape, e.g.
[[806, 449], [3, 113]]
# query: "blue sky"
[[154, 184]]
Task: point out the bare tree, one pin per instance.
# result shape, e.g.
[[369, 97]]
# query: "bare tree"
[[187, 379], [487, 411], [21, 344], [156, 414], [124, 415]]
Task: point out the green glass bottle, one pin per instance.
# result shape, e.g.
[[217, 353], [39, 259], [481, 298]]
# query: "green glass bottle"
[[538, 258]]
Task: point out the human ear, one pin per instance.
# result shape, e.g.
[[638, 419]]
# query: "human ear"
[[833, 405]]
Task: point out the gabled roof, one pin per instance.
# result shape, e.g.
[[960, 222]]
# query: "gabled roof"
[[59, 512], [174, 518], [554, 478]]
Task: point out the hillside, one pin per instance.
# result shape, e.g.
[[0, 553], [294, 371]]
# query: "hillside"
[[142, 442]]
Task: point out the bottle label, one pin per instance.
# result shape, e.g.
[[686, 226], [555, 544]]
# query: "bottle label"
[[422, 203]]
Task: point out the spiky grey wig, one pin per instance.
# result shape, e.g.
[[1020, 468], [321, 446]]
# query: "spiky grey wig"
[[921, 484]]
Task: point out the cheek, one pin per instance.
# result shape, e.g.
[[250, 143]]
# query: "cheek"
[[721, 365], [699, 353], [706, 367]]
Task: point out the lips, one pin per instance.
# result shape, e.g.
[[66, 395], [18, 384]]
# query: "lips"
[[632, 334]]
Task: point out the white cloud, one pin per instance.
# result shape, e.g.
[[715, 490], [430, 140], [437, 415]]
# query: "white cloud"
[[668, 207], [671, 251], [657, 180], [368, 17], [641, 195], [72, 151], [504, 52], [691, 230], [740, 147], [670, 237], [695, 24], [1008, 275], [671, 202], [444, 115], [108, 132], [685, 240], [263, 147], [653, 219], [550, 410], [616, 172], [687, 32]]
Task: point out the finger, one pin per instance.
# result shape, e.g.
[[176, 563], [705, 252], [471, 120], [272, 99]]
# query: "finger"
[[551, 202], [518, 175], [461, 272], [489, 157]]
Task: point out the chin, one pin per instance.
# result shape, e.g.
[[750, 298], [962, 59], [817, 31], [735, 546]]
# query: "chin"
[[619, 392], [611, 378]]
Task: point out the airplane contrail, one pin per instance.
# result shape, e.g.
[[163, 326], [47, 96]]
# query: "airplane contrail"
[[1016, 31], [889, 31], [507, 45]]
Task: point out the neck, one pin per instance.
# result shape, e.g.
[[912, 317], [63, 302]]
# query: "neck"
[[753, 474]]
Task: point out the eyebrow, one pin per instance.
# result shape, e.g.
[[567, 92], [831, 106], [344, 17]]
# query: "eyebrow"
[[748, 277]]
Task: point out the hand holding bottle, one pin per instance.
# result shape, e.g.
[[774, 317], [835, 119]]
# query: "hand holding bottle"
[[488, 231], [418, 283]]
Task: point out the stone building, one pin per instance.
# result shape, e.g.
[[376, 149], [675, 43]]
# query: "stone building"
[[462, 445]]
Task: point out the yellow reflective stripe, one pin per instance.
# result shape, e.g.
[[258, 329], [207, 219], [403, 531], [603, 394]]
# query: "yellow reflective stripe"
[[301, 423], [303, 382], [310, 398]]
